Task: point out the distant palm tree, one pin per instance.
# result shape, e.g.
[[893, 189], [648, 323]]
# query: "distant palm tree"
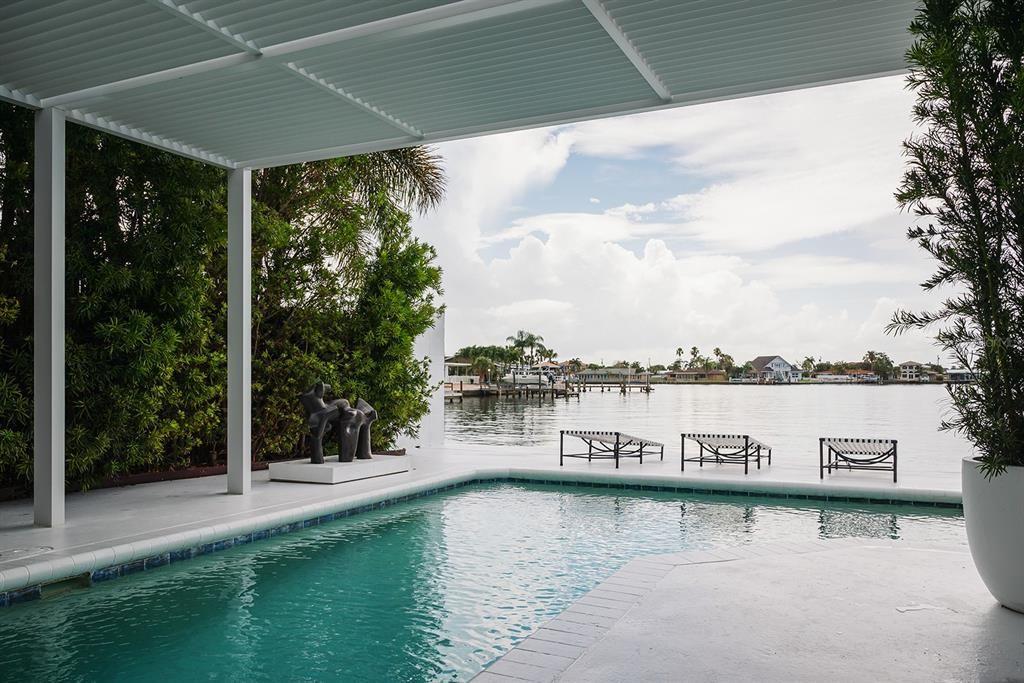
[[725, 361], [525, 340], [482, 366]]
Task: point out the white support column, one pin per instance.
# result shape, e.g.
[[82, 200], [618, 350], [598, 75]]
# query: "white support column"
[[48, 323], [239, 330]]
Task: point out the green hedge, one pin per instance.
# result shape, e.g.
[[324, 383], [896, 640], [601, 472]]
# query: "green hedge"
[[340, 291]]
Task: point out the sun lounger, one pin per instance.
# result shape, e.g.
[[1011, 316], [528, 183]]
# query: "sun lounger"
[[856, 454], [725, 449], [609, 445]]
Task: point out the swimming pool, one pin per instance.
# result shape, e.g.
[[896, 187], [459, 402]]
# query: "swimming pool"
[[431, 589]]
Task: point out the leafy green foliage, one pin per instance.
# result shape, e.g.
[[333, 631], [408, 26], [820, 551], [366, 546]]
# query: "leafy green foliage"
[[340, 291], [497, 354], [880, 364], [965, 183]]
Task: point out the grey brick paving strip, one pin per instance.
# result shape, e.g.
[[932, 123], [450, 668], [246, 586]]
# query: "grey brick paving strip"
[[555, 646]]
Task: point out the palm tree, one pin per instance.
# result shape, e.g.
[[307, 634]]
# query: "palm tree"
[[516, 343], [482, 366], [808, 365], [412, 177], [525, 340], [725, 361], [332, 191]]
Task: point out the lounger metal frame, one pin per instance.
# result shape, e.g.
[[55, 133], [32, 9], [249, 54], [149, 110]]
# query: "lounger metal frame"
[[725, 449], [608, 446], [856, 454]]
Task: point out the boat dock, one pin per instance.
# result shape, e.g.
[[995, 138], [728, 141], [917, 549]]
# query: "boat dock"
[[457, 391], [621, 387]]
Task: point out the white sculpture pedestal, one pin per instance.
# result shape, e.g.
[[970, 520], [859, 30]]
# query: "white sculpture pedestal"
[[334, 472]]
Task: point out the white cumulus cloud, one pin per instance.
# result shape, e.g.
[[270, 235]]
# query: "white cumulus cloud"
[[784, 236]]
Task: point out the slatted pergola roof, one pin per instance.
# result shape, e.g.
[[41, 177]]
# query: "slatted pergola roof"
[[251, 83]]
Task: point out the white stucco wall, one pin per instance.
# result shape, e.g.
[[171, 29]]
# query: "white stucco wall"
[[431, 345]]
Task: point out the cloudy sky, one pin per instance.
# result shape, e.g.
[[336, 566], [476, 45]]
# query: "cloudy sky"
[[763, 225]]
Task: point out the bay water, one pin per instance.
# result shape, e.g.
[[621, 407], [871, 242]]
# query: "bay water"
[[790, 418]]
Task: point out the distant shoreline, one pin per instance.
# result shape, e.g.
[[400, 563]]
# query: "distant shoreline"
[[806, 384]]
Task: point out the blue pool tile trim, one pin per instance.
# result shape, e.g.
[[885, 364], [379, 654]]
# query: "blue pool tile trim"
[[34, 592], [11, 598]]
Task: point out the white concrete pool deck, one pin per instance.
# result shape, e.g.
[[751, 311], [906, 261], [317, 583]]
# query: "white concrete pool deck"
[[115, 526], [837, 610]]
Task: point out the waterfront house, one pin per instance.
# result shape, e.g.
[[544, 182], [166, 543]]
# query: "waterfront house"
[[775, 370], [694, 376], [912, 371], [959, 376], [457, 372], [611, 376]]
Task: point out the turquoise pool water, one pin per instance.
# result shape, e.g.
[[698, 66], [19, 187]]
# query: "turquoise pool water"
[[428, 590]]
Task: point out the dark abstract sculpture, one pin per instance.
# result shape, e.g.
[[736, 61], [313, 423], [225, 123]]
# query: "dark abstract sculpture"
[[321, 417], [351, 426], [350, 422], [370, 415]]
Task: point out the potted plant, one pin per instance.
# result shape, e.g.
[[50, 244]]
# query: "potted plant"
[[964, 182]]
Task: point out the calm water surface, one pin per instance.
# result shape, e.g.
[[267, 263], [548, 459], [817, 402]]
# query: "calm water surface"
[[789, 418], [428, 590]]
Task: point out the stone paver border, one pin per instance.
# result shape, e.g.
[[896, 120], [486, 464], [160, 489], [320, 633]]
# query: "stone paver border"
[[555, 646]]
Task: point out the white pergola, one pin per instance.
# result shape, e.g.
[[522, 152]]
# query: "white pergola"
[[245, 84]]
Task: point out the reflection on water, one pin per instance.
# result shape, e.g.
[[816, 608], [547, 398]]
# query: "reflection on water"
[[789, 418], [427, 590], [839, 524]]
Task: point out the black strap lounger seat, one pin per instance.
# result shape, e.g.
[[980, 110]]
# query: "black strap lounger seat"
[[856, 454], [725, 449], [608, 445]]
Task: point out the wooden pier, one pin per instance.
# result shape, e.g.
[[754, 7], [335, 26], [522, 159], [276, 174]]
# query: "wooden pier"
[[457, 391], [571, 388], [623, 380]]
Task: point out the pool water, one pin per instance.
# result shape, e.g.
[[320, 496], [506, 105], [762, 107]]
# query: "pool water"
[[433, 589]]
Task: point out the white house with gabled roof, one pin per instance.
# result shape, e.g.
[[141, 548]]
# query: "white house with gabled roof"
[[776, 369]]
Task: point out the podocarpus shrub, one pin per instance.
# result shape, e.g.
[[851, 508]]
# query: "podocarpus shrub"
[[965, 183]]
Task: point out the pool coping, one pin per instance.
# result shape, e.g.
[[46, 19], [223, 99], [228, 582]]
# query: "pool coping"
[[29, 581]]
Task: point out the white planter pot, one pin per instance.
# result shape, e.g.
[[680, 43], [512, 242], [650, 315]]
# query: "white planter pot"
[[994, 513]]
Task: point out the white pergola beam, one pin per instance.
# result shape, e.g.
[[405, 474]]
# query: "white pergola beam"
[[197, 19], [119, 129], [368, 107], [628, 49], [239, 330], [48, 321], [18, 97]]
